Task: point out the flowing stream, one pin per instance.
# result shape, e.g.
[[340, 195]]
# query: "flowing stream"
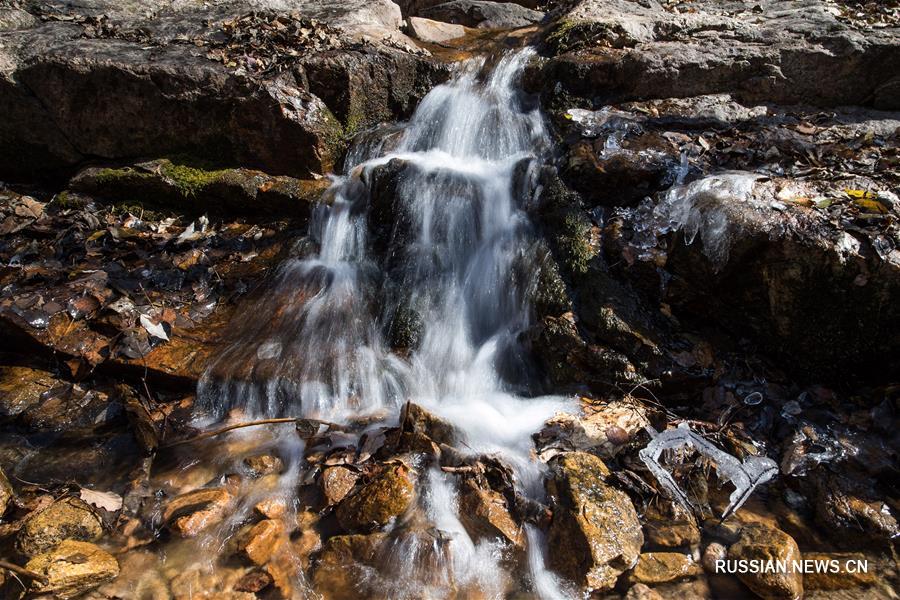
[[426, 229]]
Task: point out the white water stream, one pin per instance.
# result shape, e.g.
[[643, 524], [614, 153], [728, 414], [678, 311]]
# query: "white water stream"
[[460, 258]]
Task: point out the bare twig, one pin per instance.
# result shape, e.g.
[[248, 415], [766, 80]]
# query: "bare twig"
[[215, 432], [22, 571]]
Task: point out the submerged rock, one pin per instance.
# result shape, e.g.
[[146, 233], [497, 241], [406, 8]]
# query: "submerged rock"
[[66, 519], [261, 541], [6, 493], [191, 513], [263, 464], [762, 543], [485, 514], [72, 568], [595, 524], [342, 560], [378, 502]]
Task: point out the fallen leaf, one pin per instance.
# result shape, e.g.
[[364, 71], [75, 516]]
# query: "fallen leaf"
[[105, 500], [154, 329]]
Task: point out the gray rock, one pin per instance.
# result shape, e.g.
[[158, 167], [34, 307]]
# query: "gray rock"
[[426, 30], [484, 15], [134, 80], [789, 53]]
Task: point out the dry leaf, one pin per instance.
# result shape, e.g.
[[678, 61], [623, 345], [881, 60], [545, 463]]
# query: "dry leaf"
[[105, 500]]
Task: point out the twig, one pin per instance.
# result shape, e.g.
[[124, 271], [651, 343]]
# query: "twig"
[[22, 571], [216, 432]]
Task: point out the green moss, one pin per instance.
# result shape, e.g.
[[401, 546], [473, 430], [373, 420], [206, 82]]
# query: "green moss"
[[189, 180], [106, 177], [569, 35]]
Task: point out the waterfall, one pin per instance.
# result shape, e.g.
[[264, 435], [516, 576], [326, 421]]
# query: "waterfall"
[[428, 225]]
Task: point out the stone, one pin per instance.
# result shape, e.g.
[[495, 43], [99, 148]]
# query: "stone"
[[595, 523], [191, 513], [342, 561], [670, 526], [197, 188], [132, 89], [434, 32], [263, 464], [21, 389], [72, 568], [271, 508], [604, 427], [850, 509], [760, 542], [844, 578], [7, 494], [65, 519], [336, 482], [262, 541], [485, 514], [483, 15], [758, 50], [640, 591], [663, 567], [378, 502]]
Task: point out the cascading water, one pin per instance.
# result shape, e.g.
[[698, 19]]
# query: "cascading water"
[[427, 228]]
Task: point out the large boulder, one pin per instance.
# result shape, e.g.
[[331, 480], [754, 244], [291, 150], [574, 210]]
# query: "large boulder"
[[595, 526], [72, 568], [66, 519], [483, 14], [611, 50], [379, 502], [119, 81]]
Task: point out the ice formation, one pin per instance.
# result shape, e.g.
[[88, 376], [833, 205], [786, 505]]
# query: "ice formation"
[[745, 476]]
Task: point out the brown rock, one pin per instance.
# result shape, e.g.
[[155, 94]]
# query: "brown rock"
[[664, 567], [72, 568], [760, 542], [336, 483], [191, 513], [639, 591], [433, 32], [595, 523], [484, 514], [262, 541], [842, 580], [21, 389], [271, 508], [263, 464], [254, 581], [670, 526], [376, 503], [338, 567], [69, 518], [6, 492]]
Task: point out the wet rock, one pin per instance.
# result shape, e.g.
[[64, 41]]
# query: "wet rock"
[[6, 492], [640, 591], [378, 502], [760, 542], [72, 568], [604, 428], [197, 188], [341, 562], [271, 508], [191, 513], [484, 15], [263, 464], [69, 518], [416, 421], [844, 578], [594, 522], [485, 514], [197, 583], [336, 483], [261, 541], [572, 362], [670, 526], [849, 509], [21, 389], [663, 567], [426, 30]]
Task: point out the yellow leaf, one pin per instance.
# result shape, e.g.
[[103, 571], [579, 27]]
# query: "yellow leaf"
[[96, 235], [871, 206], [861, 195]]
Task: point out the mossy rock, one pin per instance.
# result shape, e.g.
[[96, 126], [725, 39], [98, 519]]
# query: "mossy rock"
[[191, 187]]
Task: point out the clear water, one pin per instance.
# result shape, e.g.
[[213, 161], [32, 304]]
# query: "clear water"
[[316, 343]]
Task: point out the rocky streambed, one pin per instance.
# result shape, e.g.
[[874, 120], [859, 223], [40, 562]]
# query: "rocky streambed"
[[667, 217]]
